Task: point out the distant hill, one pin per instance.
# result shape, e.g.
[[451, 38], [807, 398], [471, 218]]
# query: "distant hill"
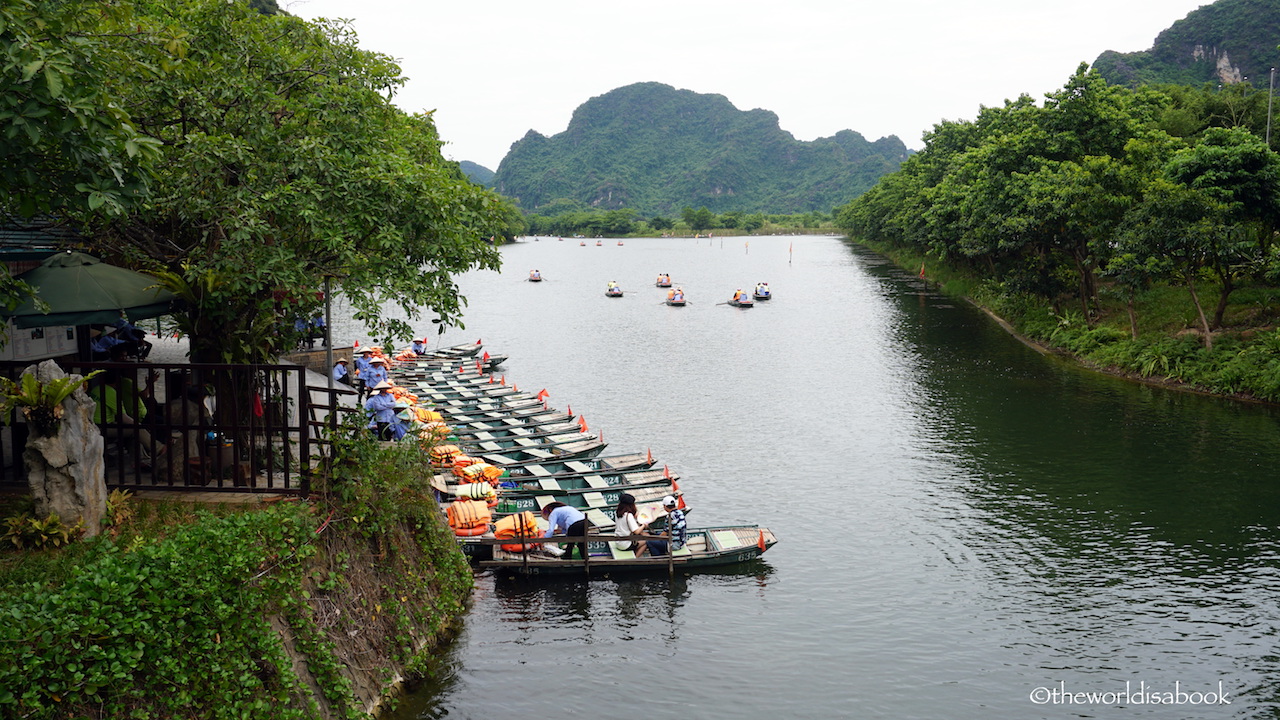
[[657, 150], [479, 174], [1225, 42]]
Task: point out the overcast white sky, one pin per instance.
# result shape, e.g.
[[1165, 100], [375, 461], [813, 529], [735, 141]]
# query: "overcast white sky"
[[495, 69]]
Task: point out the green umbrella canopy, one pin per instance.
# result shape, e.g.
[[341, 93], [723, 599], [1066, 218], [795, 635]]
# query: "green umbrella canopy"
[[82, 290]]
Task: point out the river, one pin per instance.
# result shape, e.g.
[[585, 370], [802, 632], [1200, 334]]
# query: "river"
[[968, 528]]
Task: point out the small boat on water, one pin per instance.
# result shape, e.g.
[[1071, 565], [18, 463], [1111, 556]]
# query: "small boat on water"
[[527, 416], [453, 352], [664, 281], [706, 547], [599, 243], [515, 456], [582, 243], [606, 464], [674, 302], [535, 276], [742, 301], [613, 292], [619, 243], [762, 292], [574, 443]]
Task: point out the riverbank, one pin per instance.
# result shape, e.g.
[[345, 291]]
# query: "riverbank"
[[310, 609], [1168, 351]]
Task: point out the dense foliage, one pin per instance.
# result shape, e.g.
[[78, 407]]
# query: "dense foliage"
[[170, 615], [1087, 198], [1241, 34], [243, 156], [655, 149]]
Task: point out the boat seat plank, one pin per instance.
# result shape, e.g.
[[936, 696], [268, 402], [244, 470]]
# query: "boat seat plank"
[[598, 518], [579, 466], [547, 483], [596, 481], [621, 554], [538, 471], [594, 499], [682, 552], [727, 539], [544, 500]]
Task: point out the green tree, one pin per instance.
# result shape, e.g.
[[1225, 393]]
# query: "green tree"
[[697, 220], [67, 137], [1242, 176], [284, 163]]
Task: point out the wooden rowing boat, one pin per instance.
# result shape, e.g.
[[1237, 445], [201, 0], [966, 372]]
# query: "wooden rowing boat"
[[607, 464], [453, 352], [540, 454], [675, 303], [529, 416], [706, 547], [742, 303]]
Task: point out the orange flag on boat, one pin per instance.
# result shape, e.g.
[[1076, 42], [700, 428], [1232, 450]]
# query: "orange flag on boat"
[[680, 501], [477, 341], [674, 486], [582, 423], [570, 410], [504, 379], [648, 455], [486, 355], [666, 472], [356, 345], [760, 543], [515, 387], [542, 394]]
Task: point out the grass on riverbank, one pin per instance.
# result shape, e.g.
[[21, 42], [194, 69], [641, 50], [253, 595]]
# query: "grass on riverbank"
[[1169, 349]]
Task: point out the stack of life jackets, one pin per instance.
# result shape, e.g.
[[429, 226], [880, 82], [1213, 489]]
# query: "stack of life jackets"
[[443, 455], [518, 525], [477, 491], [468, 517]]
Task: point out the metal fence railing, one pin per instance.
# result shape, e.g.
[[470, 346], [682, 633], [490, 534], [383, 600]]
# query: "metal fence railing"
[[237, 428]]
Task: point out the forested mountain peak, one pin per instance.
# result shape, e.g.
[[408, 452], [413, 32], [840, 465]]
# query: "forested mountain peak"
[[657, 149], [1228, 42]]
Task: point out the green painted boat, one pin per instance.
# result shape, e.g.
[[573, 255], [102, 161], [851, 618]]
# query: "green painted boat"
[[706, 548]]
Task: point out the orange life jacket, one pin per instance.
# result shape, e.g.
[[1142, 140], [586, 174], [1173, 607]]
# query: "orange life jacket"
[[466, 514], [517, 526]]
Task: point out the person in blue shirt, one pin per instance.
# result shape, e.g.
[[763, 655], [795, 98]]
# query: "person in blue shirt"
[[569, 519], [134, 337], [381, 407], [420, 347], [676, 525], [340, 372], [102, 344], [376, 373]]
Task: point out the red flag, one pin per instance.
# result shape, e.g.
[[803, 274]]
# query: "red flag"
[[542, 394], [477, 341], [515, 387], [490, 378], [478, 368], [674, 486], [582, 423], [666, 472], [570, 410], [356, 345], [648, 455], [922, 270], [486, 355], [257, 405], [680, 502], [760, 543]]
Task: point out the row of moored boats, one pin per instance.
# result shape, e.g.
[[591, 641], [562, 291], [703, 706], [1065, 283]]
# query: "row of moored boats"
[[500, 455]]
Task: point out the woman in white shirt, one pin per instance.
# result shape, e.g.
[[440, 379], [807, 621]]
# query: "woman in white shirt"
[[627, 523]]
